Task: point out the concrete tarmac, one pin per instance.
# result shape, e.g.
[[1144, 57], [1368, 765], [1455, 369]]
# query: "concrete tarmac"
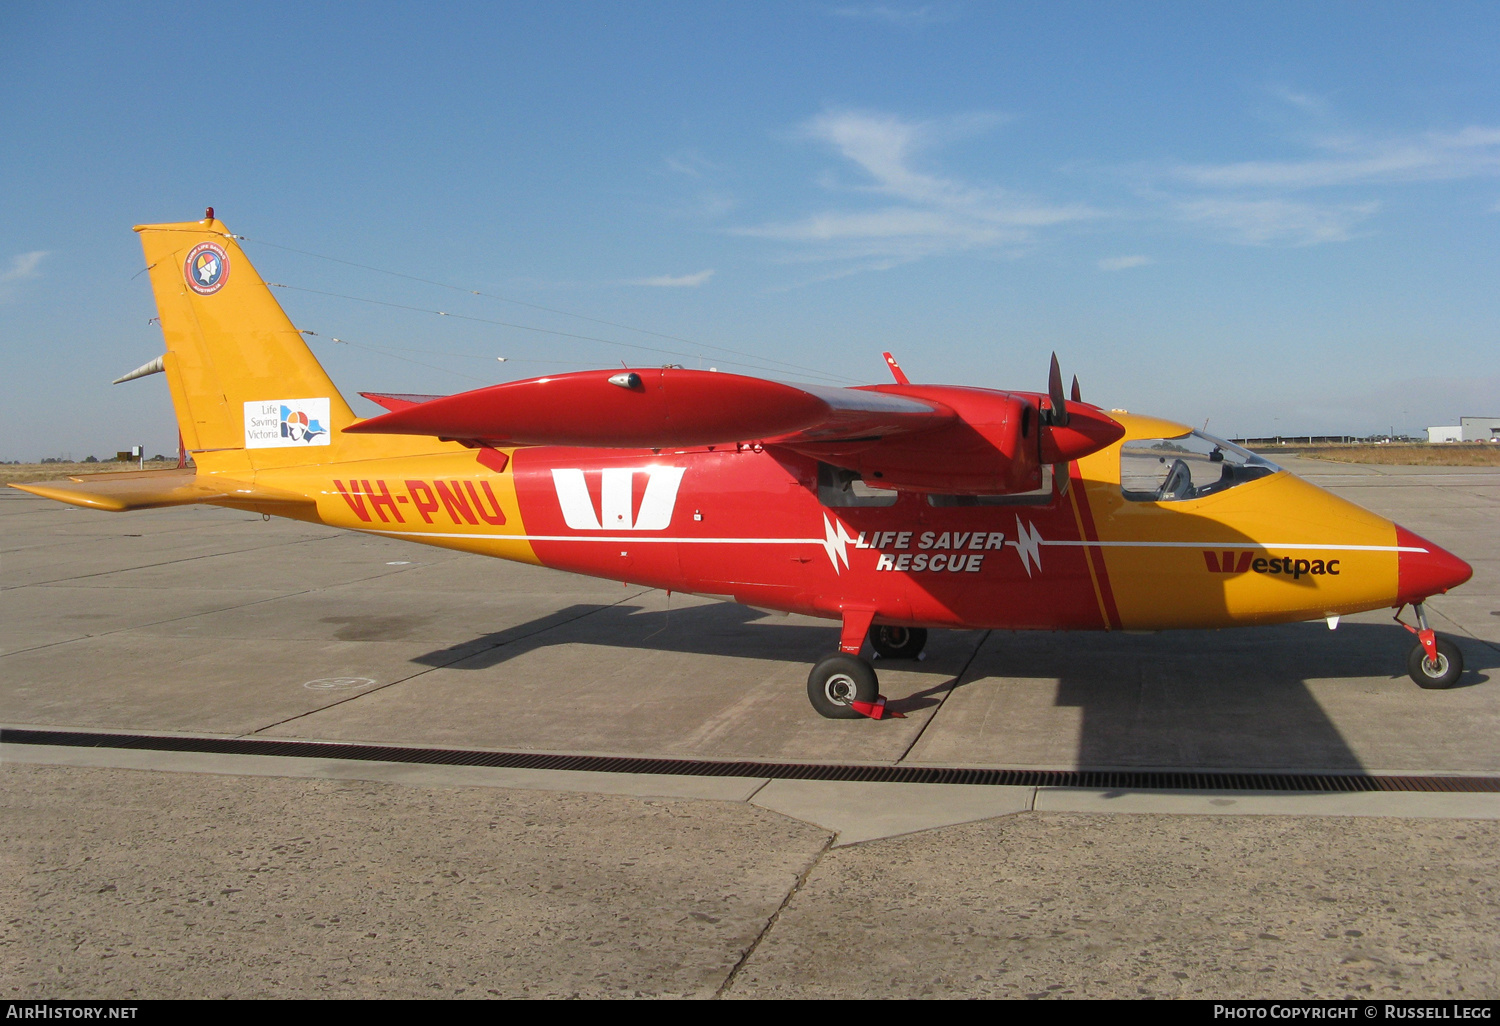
[[157, 874]]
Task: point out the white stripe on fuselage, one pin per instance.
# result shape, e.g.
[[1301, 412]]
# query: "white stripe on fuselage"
[[621, 538]]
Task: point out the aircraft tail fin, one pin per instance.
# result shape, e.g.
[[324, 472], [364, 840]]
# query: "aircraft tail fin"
[[247, 390]]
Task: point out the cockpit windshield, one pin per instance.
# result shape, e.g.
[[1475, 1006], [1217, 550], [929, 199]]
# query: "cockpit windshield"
[[1189, 466]]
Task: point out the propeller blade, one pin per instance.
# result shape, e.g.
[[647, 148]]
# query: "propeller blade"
[[1055, 391], [1077, 393]]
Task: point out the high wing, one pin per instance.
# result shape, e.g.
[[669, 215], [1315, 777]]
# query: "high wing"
[[918, 437], [650, 408]]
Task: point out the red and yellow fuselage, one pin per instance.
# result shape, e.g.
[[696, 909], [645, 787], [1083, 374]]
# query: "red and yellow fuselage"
[[747, 524]]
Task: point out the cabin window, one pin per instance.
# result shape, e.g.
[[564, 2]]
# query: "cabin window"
[[1190, 466], [839, 488], [1038, 497]]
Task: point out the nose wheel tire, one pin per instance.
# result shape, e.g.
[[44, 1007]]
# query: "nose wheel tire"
[[1442, 672], [898, 642], [839, 681]]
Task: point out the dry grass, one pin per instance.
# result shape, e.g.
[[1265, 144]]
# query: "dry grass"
[[24, 473], [1409, 454]]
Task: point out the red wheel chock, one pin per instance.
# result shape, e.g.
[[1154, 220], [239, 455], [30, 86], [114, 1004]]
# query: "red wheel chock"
[[877, 710]]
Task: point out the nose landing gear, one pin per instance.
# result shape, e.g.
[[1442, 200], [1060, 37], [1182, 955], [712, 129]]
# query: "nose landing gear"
[[1433, 663], [1439, 670]]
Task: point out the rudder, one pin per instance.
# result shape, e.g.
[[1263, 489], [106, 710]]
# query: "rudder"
[[245, 386]]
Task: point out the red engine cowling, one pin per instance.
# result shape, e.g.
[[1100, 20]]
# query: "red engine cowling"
[[996, 443]]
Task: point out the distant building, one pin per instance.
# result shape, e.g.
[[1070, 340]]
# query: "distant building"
[[1480, 429], [1453, 433]]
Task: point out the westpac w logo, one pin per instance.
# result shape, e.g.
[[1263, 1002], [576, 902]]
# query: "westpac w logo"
[[617, 510], [1227, 565]]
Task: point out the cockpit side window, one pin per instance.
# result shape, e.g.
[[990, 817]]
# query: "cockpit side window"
[[839, 488], [1190, 466]]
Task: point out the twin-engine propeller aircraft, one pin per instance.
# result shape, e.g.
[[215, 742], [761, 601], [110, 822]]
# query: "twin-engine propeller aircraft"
[[893, 509]]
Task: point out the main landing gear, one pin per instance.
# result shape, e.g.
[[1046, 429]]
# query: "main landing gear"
[[844, 686], [898, 642], [1433, 662]]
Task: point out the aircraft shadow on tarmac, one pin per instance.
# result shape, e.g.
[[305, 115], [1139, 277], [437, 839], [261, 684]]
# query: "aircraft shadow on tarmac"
[[1214, 699], [1222, 699], [721, 628]]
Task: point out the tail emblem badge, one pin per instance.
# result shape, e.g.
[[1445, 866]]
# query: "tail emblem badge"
[[206, 268]]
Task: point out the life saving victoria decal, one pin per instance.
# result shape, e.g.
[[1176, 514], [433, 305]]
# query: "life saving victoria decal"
[[277, 423]]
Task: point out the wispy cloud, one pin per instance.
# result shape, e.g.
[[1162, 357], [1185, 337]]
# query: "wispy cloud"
[[1122, 263], [891, 201], [702, 205], [920, 211], [1328, 194], [22, 268], [1271, 221], [1354, 160], [698, 182], [1306, 102], [668, 281], [888, 223], [689, 162], [926, 14]]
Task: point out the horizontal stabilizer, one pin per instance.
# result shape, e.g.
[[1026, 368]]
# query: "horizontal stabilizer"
[[653, 408], [151, 489]]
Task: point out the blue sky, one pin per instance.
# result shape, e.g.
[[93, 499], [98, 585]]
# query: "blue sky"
[[1273, 217]]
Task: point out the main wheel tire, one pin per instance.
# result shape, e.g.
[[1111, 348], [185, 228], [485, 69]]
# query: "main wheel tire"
[[839, 681], [898, 642], [1436, 674]]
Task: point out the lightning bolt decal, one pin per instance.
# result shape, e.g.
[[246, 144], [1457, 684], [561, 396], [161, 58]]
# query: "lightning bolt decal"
[[836, 539], [1028, 544]]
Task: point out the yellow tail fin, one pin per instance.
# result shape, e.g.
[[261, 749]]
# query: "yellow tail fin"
[[247, 390]]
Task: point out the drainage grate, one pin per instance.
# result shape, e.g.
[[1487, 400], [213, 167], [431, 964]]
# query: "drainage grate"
[[1125, 780]]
